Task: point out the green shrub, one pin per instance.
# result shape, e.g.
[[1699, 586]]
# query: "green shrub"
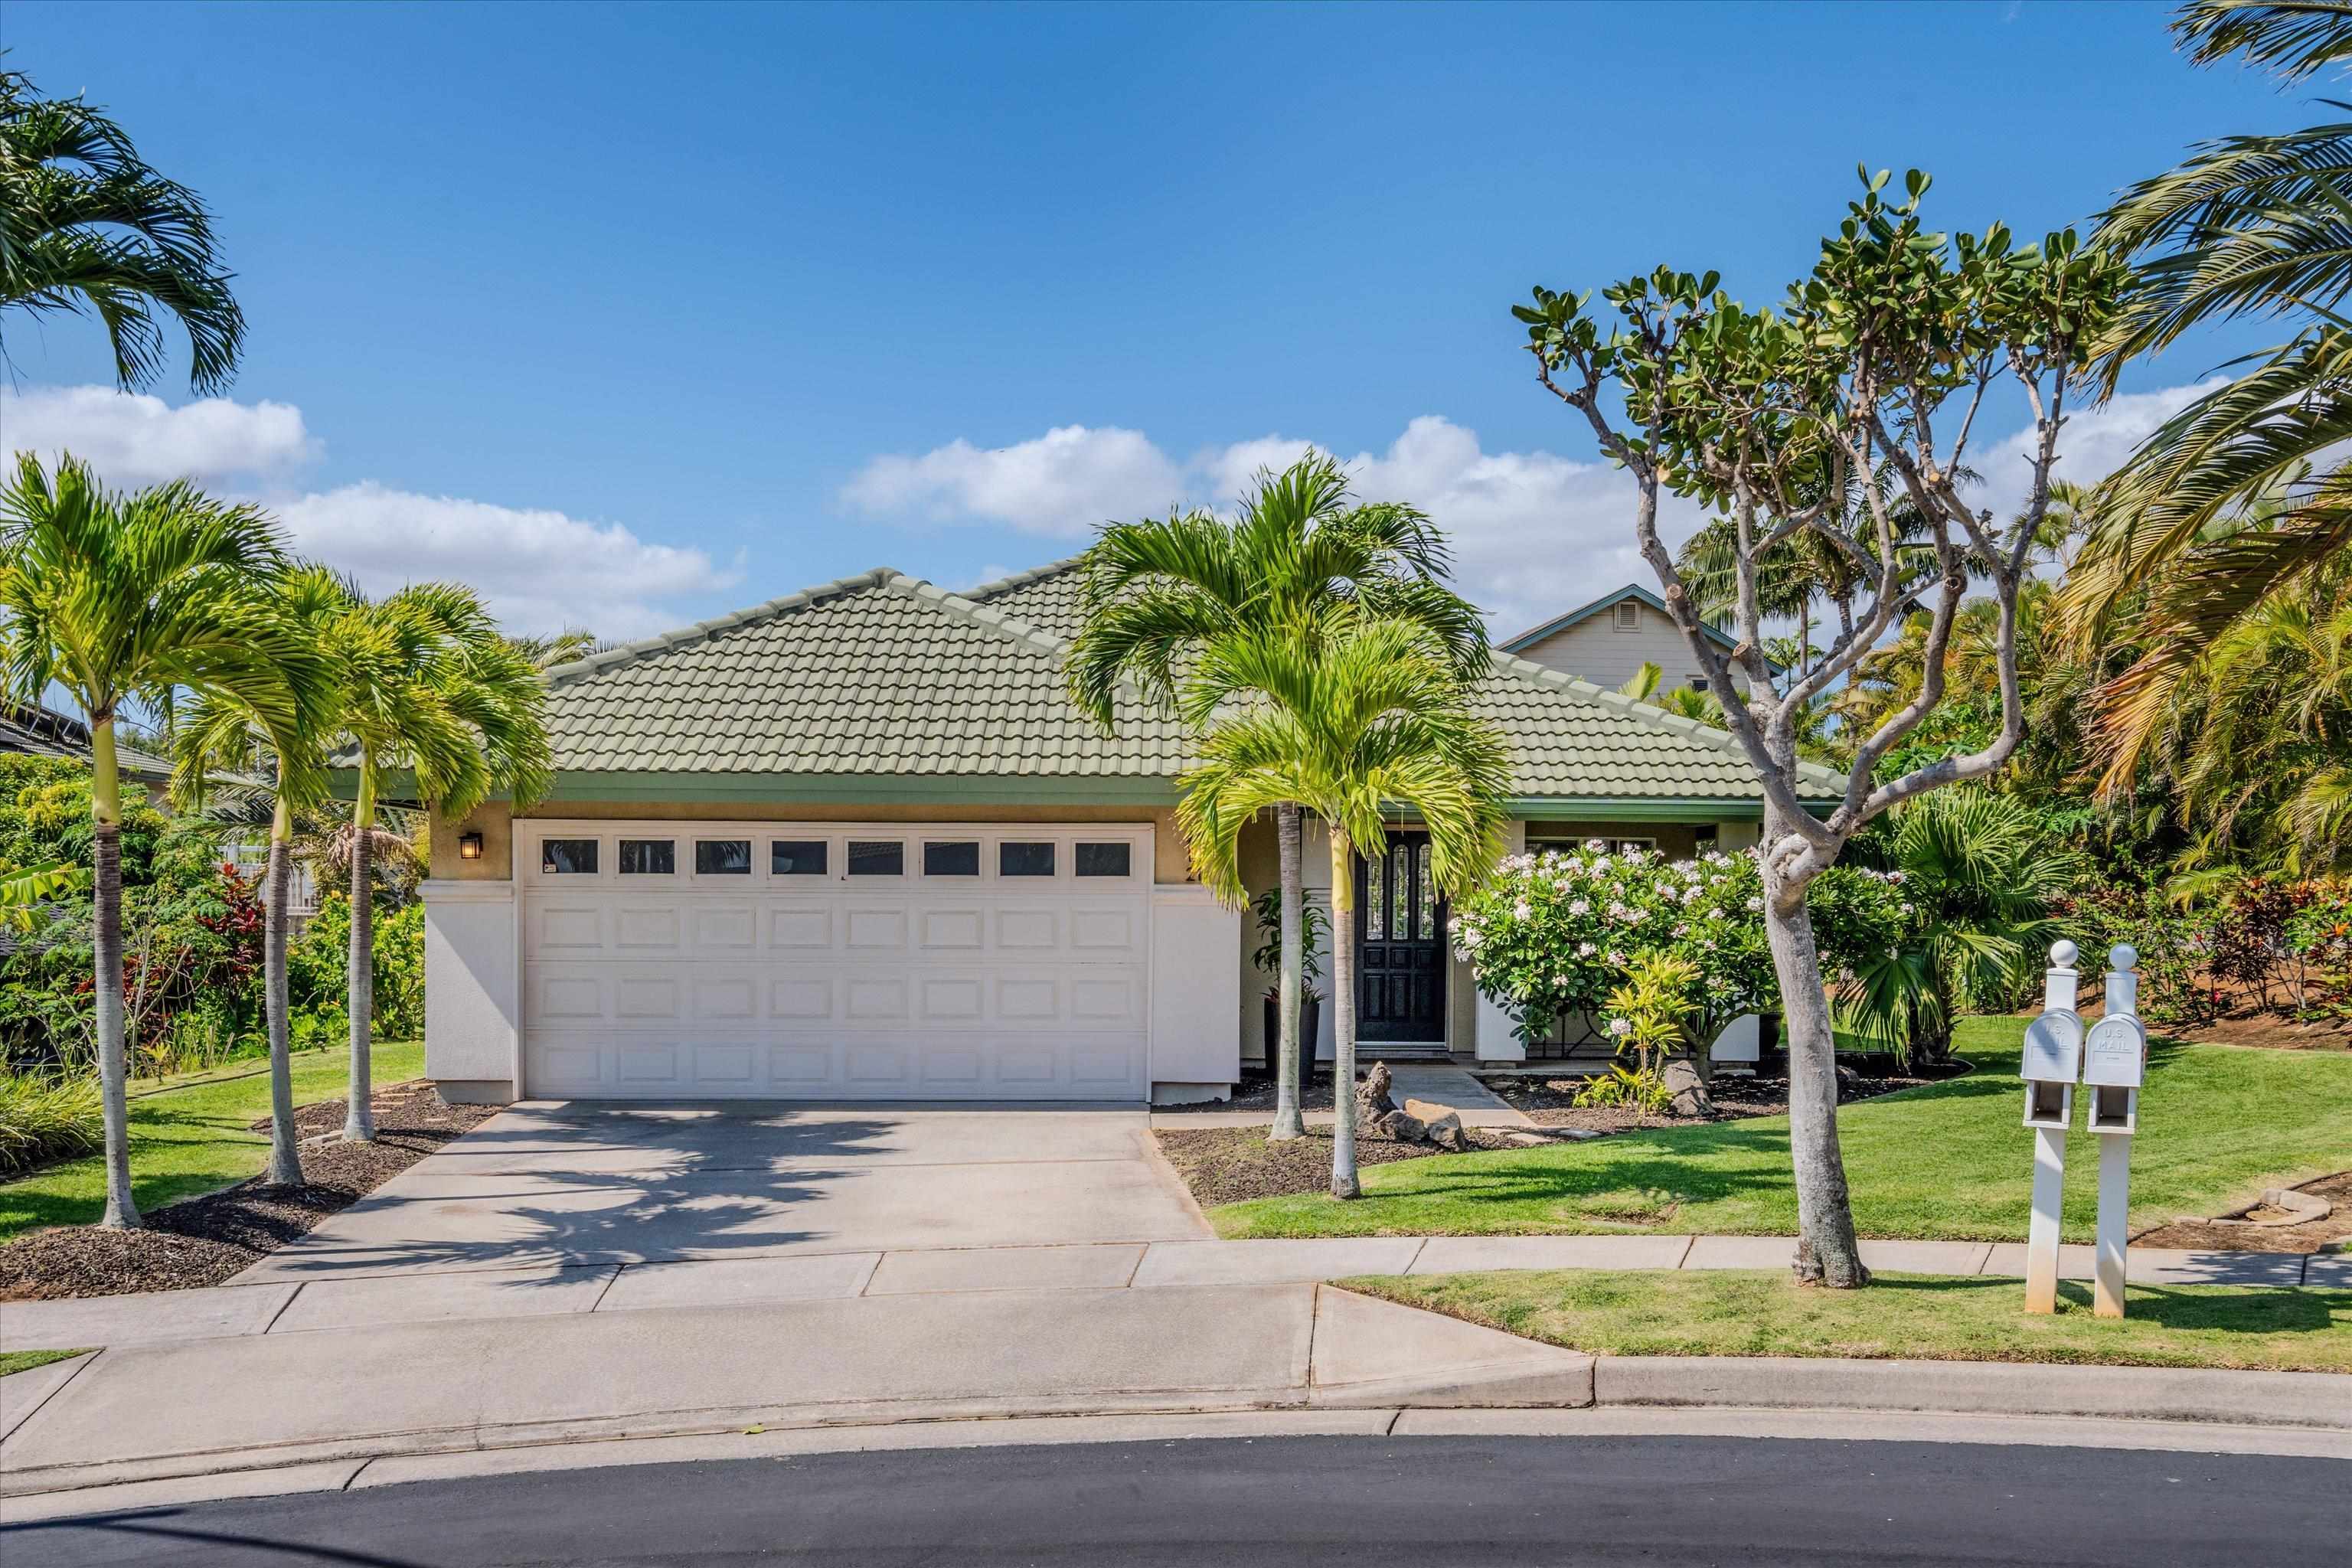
[[319, 961], [45, 1119]]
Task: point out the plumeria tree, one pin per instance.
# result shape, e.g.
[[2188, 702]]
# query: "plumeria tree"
[[1863, 389], [1556, 930]]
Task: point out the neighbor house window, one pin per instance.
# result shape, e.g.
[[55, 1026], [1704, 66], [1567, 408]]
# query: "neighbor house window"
[[796, 858], [567, 857], [1626, 616], [876, 857], [648, 856], [1021, 859], [1102, 859], [955, 857], [722, 856]]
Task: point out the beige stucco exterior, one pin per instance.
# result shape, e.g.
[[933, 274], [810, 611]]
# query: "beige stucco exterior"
[[1609, 655]]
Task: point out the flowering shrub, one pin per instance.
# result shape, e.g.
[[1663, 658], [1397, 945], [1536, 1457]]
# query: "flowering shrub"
[[1554, 931]]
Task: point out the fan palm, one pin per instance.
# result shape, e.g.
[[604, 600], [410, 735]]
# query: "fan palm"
[[2247, 227], [87, 226], [281, 770], [1160, 591], [1353, 718], [425, 688], [118, 598], [1978, 879]]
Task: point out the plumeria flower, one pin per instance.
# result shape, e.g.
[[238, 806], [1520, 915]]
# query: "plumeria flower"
[[1755, 906], [1616, 958], [1596, 844], [1715, 914], [1586, 949], [1620, 1027], [1521, 910], [1580, 907]]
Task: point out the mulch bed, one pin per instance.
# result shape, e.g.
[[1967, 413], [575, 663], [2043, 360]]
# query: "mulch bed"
[[2310, 1237], [208, 1240], [1255, 1092], [1551, 1101], [1234, 1164]]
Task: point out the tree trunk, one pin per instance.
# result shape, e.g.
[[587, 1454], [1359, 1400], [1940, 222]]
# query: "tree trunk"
[[359, 1121], [106, 810], [1288, 1123], [1343, 1018], [285, 1155], [1826, 1250]]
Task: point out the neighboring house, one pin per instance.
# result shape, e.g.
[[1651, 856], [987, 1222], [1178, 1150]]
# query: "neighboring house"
[[36, 730], [1608, 640], [856, 844]]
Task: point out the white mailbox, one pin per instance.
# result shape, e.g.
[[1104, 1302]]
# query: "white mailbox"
[[2054, 1059], [2114, 1053]]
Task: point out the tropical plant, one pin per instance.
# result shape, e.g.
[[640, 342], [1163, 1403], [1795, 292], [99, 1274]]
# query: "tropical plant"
[[116, 598], [1647, 1014], [425, 689], [1314, 926], [221, 734], [1862, 390], [1159, 592], [47, 1117], [1355, 718], [1980, 886], [86, 226], [2247, 227], [22, 892]]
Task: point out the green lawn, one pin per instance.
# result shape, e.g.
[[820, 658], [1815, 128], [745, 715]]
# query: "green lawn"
[[189, 1141], [26, 1361], [1921, 1316], [1947, 1162]]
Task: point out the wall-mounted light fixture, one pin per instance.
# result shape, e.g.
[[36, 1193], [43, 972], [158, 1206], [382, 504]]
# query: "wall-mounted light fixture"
[[470, 847]]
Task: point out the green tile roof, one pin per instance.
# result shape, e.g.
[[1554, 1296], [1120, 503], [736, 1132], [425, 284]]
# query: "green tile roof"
[[885, 676]]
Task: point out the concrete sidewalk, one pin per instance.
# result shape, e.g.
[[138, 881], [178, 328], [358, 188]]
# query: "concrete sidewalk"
[[406, 1294]]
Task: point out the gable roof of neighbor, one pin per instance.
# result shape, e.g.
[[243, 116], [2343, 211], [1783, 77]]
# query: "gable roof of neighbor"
[[41, 731], [1534, 634], [883, 676]]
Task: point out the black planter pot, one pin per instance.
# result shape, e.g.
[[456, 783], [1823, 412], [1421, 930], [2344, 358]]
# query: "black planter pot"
[[1310, 1023]]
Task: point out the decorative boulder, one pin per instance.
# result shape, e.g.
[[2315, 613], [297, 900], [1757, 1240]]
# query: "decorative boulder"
[[1398, 1128], [1372, 1098], [1691, 1099], [1441, 1125]]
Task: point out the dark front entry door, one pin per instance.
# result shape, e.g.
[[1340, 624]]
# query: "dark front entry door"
[[1401, 945]]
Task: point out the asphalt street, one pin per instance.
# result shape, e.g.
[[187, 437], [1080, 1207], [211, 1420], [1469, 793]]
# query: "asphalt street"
[[1651, 1501]]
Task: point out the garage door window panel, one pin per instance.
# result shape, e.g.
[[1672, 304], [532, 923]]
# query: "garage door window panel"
[[952, 857], [798, 857], [1103, 859], [877, 858], [648, 857], [1019, 858], [722, 857], [567, 857]]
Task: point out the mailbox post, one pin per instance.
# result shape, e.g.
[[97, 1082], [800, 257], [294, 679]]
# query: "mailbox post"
[[2053, 1060], [2114, 1063]]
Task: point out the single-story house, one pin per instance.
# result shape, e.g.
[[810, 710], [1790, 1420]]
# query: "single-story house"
[[1609, 639], [857, 844]]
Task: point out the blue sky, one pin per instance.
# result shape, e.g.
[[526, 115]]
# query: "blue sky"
[[632, 314]]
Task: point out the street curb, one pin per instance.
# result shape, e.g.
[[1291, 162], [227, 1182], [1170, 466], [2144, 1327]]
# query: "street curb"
[[2318, 1404]]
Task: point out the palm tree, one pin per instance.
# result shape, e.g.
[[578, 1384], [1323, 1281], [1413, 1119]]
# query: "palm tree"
[[87, 226], [1160, 591], [1980, 878], [1352, 717], [223, 734], [2248, 225], [117, 598], [425, 687]]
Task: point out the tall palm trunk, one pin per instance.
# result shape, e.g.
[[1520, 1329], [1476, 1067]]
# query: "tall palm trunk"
[[1343, 988], [285, 1154], [1290, 831], [359, 1121], [1827, 1253], [106, 810]]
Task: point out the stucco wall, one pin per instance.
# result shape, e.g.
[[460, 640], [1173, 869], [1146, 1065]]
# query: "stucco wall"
[[1595, 650]]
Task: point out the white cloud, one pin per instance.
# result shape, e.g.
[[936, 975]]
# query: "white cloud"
[[1534, 533], [540, 571], [1065, 483], [2092, 445], [134, 439]]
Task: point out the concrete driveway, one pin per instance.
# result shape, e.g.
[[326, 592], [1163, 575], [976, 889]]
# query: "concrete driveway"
[[566, 1182]]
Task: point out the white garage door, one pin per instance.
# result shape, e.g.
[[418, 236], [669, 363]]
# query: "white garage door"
[[694, 961]]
